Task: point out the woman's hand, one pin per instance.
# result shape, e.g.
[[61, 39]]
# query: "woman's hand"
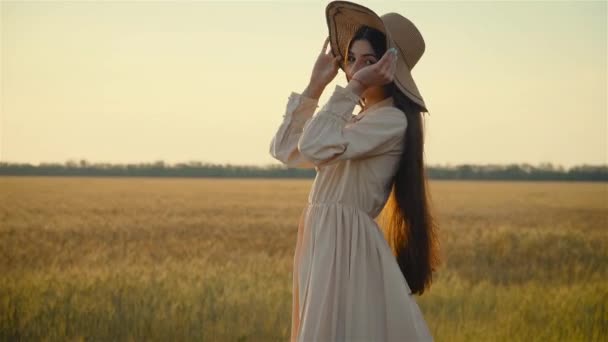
[[324, 71], [379, 73]]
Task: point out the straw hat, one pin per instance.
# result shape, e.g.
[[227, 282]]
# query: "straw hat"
[[345, 18]]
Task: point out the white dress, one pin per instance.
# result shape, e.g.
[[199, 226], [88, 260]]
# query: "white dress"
[[347, 285]]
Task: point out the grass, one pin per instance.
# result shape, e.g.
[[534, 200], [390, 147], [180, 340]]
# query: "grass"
[[210, 259]]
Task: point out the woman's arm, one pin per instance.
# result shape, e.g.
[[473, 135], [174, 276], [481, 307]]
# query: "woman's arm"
[[329, 137], [284, 144], [305, 142]]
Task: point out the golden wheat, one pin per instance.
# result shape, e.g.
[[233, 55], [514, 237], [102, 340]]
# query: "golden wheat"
[[210, 259]]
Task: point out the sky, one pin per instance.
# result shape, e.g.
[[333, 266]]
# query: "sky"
[[179, 81]]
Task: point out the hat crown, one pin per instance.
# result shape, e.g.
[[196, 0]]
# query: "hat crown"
[[405, 36]]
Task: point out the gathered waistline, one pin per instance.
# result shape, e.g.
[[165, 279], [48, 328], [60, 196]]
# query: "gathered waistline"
[[348, 205]]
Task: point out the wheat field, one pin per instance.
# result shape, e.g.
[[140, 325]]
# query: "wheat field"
[[134, 259]]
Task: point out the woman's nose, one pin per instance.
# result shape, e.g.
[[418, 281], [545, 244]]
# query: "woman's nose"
[[353, 68]]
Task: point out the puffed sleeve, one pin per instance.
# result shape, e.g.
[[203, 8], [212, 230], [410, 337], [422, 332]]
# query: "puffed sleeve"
[[284, 144], [330, 136]]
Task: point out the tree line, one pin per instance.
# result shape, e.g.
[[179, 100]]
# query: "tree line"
[[543, 171]]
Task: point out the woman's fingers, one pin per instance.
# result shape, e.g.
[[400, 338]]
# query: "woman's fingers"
[[324, 51], [337, 61], [383, 62], [389, 65], [392, 64], [387, 60], [381, 72]]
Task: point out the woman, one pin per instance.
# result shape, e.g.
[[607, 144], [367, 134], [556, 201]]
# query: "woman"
[[349, 281]]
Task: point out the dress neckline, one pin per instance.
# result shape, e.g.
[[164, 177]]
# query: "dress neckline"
[[387, 102]]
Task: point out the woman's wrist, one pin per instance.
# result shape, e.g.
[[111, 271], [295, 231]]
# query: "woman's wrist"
[[313, 91], [356, 86]]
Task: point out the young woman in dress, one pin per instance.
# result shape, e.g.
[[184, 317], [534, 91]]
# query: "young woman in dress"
[[354, 279]]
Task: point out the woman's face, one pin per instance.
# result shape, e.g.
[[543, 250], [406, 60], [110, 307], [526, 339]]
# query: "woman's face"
[[361, 54]]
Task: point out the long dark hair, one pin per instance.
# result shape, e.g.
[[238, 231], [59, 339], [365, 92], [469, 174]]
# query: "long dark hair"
[[406, 218]]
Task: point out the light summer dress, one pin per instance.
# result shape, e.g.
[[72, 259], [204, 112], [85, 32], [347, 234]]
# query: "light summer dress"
[[347, 285]]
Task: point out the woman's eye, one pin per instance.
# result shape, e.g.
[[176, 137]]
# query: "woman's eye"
[[368, 62]]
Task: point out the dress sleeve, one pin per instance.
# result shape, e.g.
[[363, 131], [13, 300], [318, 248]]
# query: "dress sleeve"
[[284, 144], [330, 136]]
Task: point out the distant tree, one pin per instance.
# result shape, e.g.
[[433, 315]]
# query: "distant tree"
[[545, 171]]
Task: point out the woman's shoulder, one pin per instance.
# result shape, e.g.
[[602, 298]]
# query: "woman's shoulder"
[[387, 113]]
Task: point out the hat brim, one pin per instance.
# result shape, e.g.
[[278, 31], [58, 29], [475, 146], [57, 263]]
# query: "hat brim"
[[405, 82], [344, 18]]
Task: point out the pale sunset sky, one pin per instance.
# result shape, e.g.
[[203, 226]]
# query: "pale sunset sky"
[[179, 81]]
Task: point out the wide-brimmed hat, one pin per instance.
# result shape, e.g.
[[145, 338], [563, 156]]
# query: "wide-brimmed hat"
[[344, 18]]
